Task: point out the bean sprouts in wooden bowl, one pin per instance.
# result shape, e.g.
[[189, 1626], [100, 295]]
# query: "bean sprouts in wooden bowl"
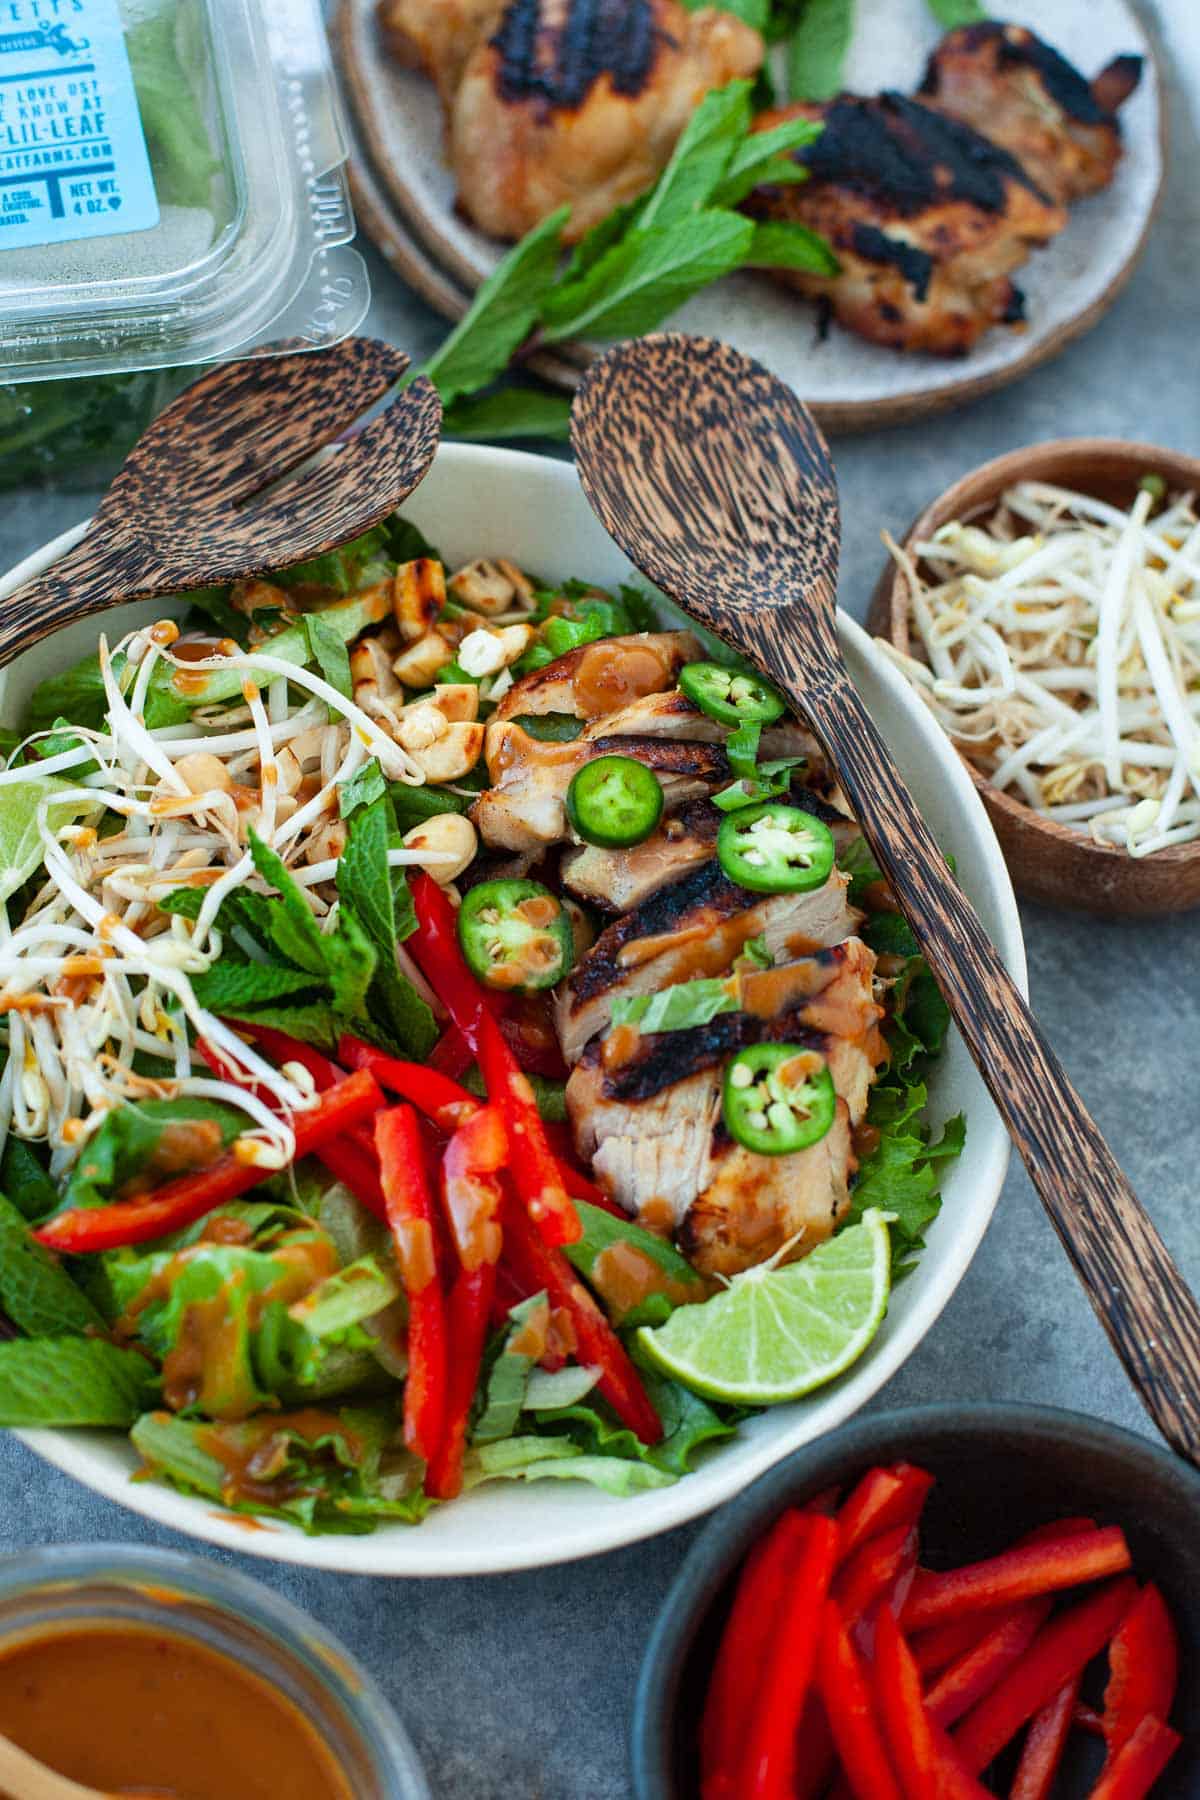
[[1047, 608]]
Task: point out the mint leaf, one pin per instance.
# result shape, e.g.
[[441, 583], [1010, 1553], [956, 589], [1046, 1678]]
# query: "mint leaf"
[[72, 1381], [551, 728], [365, 785], [700, 158], [363, 878], [765, 157], [24, 1176], [513, 412], [950, 13], [768, 782], [230, 986], [780, 245], [293, 926], [35, 1290], [645, 276], [603, 235], [677, 1008], [857, 862], [502, 314], [406, 542], [413, 805], [326, 649], [817, 52]]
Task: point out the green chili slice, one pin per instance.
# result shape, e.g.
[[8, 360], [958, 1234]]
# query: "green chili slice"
[[775, 849], [778, 1098], [730, 696], [515, 935], [614, 801]]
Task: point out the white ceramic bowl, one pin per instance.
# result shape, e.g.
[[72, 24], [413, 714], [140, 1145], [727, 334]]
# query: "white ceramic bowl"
[[482, 501]]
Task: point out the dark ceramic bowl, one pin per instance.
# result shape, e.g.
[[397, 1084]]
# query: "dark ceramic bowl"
[[1000, 1471]]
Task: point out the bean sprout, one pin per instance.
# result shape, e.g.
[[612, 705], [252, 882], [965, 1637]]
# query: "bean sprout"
[[1059, 646]]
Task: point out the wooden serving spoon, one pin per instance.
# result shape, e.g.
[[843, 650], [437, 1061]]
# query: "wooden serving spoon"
[[25, 1778], [204, 496], [712, 477]]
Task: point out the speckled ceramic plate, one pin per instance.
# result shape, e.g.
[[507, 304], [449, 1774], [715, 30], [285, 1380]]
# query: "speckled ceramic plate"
[[849, 383]]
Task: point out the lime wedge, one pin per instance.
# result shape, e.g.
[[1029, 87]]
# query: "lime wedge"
[[20, 842], [776, 1333]]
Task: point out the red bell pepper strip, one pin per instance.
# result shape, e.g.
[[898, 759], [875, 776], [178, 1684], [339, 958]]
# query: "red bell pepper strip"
[[281, 1048], [444, 1101], [937, 1648], [451, 1055], [846, 1692], [873, 1571], [882, 1499], [965, 1682], [535, 1172], [816, 1757], [469, 1310], [1143, 1660], [1061, 1650], [436, 949], [536, 1266], [770, 1753], [470, 1188], [182, 1201], [1139, 1763], [902, 1712], [1019, 1574], [743, 1648], [955, 1780], [410, 1215], [1045, 1742]]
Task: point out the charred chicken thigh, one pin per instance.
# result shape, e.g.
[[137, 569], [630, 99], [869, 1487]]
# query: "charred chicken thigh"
[[565, 102], [1007, 82], [928, 219]]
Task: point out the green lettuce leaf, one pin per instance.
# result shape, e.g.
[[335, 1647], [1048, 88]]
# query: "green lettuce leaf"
[[327, 1472], [26, 1180], [507, 1376], [72, 1381], [327, 649], [548, 1459], [688, 1422], [142, 1134], [346, 570]]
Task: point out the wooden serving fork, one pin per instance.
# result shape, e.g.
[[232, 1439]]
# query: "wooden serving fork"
[[214, 490], [712, 477]]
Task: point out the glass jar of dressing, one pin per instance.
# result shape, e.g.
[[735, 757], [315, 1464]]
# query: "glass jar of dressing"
[[134, 1669]]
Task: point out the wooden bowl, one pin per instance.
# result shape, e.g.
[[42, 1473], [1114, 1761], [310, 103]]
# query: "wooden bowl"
[[1048, 861]]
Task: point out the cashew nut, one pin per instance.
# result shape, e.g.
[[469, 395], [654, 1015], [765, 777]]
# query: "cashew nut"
[[418, 665], [448, 834]]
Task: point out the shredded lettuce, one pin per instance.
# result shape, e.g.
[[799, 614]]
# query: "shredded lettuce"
[[677, 1008]]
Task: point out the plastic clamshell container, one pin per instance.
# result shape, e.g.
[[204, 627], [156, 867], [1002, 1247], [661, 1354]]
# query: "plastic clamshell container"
[[172, 185]]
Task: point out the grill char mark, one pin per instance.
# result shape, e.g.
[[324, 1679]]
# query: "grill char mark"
[[557, 64], [707, 886], [1061, 79], [908, 157], [670, 1056]]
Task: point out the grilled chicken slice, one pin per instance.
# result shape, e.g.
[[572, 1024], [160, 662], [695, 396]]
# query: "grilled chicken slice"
[[927, 217], [601, 678], [525, 809], [1009, 83], [615, 880], [647, 1112], [580, 103], [437, 36], [696, 926], [624, 688]]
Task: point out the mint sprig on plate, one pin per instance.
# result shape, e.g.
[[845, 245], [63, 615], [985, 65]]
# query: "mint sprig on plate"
[[630, 272]]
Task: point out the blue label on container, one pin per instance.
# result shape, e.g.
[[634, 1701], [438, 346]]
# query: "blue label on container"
[[73, 161]]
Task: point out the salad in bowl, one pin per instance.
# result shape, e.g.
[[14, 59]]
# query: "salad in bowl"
[[456, 1038]]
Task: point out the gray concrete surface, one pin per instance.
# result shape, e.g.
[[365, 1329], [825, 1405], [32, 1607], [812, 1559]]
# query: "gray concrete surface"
[[520, 1686]]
